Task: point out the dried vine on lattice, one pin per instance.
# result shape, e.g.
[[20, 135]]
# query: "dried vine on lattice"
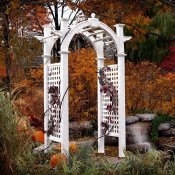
[[109, 90], [55, 103]]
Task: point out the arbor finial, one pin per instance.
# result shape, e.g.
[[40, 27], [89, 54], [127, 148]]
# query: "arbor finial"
[[93, 15]]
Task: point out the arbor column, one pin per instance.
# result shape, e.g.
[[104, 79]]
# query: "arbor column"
[[46, 62], [99, 47], [121, 104], [65, 103], [64, 92], [121, 89], [101, 139]]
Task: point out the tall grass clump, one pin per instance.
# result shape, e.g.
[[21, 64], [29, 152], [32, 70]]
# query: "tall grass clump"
[[16, 157], [151, 163], [80, 163], [15, 146]]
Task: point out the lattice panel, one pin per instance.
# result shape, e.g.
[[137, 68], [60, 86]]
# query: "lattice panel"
[[109, 117], [54, 113]]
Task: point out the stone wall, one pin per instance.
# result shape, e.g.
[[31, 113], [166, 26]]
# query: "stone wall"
[[138, 130]]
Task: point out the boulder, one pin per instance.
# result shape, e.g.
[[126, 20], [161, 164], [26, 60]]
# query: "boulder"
[[143, 147], [95, 134], [172, 123], [131, 119], [42, 148], [73, 125], [39, 149], [146, 117], [77, 125], [86, 124], [138, 132], [79, 129], [166, 143], [164, 126], [85, 143], [112, 141], [169, 132]]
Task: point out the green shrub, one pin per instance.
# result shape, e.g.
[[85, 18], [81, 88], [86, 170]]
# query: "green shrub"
[[155, 124]]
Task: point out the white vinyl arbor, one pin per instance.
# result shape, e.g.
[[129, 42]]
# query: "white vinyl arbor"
[[56, 75]]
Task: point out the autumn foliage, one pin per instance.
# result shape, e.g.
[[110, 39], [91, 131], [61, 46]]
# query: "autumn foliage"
[[83, 85], [169, 62], [29, 99], [149, 89]]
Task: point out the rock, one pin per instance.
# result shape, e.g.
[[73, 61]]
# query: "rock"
[[166, 143], [73, 125], [79, 129], [138, 132], [86, 124], [42, 148], [112, 141], [172, 123], [143, 147], [76, 125], [112, 160], [98, 159], [172, 131], [131, 119], [164, 126], [95, 134], [146, 117], [39, 149], [169, 132], [84, 143]]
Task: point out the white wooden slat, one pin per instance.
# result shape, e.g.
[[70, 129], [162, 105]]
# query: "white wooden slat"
[[54, 80], [112, 75]]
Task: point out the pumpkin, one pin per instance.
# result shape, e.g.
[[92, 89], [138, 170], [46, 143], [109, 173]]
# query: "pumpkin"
[[73, 148], [57, 160], [38, 136]]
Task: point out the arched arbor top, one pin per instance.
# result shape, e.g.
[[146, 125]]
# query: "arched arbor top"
[[93, 29]]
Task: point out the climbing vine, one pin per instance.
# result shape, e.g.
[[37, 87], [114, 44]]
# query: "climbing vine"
[[109, 90], [54, 103]]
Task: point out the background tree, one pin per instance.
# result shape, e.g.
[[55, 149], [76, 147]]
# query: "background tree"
[[83, 85], [150, 23], [16, 21]]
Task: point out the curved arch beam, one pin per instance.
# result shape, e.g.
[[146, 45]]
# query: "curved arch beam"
[[78, 29]]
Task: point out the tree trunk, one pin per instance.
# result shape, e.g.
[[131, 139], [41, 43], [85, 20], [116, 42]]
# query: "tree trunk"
[[6, 47]]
